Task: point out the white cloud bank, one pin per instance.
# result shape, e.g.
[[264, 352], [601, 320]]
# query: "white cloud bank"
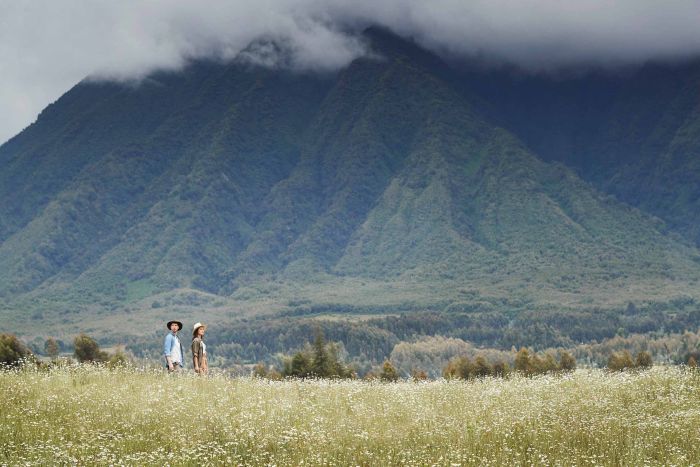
[[46, 46]]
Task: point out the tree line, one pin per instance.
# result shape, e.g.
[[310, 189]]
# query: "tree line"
[[370, 341], [13, 352], [323, 360], [455, 358]]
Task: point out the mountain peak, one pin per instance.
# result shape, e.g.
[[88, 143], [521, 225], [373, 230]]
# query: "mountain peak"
[[390, 45]]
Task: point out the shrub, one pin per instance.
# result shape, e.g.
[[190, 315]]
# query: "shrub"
[[117, 360], [260, 370]]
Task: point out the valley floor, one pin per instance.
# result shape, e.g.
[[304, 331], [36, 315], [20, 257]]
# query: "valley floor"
[[87, 415]]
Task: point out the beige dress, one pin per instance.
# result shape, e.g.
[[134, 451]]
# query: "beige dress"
[[199, 353]]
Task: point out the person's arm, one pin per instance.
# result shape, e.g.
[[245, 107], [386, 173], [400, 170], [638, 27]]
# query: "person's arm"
[[195, 355], [167, 348]]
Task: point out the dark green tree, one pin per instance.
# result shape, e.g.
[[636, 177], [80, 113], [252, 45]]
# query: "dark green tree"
[[338, 368], [299, 366], [87, 349], [321, 364], [12, 351]]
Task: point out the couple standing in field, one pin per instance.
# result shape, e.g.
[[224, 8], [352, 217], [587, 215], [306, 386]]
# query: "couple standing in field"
[[174, 353]]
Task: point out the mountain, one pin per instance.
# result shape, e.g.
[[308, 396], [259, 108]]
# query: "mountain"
[[399, 183], [632, 133]]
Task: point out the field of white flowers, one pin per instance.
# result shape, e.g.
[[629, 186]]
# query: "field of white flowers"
[[88, 415]]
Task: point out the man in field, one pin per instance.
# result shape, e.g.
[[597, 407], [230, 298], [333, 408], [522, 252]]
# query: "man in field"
[[174, 355]]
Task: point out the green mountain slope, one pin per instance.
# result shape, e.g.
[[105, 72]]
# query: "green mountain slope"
[[397, 183], [633, 134]]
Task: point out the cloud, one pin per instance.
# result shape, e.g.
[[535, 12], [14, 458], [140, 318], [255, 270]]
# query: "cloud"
[[46, 46], [545, 34]]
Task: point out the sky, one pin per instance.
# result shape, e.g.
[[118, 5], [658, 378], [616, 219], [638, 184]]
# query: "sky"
[[48, 46]]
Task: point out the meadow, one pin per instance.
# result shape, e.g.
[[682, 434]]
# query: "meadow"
[[89, 415]]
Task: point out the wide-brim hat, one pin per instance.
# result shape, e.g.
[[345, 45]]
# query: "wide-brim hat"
[[179, 323], [197, 326]]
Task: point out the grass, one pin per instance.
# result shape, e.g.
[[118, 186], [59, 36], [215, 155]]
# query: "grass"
[[88, 415]]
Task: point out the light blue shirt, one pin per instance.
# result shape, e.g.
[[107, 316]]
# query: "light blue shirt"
[[171, 340]]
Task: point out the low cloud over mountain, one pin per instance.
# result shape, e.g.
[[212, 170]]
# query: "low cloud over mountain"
[[47, 46]]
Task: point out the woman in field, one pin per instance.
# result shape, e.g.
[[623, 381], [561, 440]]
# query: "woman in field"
[[199, 349]]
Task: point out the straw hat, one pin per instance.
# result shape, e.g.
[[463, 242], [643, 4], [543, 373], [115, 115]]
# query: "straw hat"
[[197, 326]]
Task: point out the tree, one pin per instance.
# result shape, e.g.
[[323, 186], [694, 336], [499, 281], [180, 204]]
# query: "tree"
[[567, 362], [482, 367], [522, 362], [418, 375], [551, 365], [545, 364], [51, 348], [12, 350], [388, 373], [300, 365], [619, 361], [87, 350], [501, 368], [320, 366], [320, 359], [459, 367], [643, 360], [337, 368]]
